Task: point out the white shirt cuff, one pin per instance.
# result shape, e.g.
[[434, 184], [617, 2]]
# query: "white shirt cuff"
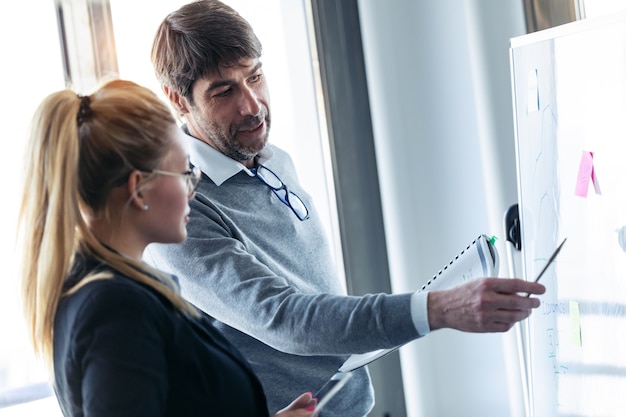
[[419, 312]]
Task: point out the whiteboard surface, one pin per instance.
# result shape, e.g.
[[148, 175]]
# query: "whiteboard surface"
[[570, 119]]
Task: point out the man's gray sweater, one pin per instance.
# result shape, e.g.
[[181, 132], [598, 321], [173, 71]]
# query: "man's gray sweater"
[[269, 281]]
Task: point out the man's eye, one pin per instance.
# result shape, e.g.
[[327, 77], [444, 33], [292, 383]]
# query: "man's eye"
[[255, 78], [223, 93]]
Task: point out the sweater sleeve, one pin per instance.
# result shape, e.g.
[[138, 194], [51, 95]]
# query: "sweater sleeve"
[[294, 314]]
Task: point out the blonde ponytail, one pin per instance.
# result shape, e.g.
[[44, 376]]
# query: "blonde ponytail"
[[78, 150]]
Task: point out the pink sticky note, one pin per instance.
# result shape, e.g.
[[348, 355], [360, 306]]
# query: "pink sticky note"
[[586, 173]]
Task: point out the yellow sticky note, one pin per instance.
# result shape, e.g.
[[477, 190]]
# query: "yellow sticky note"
[[574, 315]]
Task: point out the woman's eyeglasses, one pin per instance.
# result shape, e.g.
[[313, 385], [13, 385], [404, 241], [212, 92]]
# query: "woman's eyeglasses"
[[192, 176], [289, 198]]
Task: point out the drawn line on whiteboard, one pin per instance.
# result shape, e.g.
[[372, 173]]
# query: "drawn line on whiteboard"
[[552, 258]]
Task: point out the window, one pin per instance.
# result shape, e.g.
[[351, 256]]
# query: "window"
[[281, 26], [600, 7], [31, 70]]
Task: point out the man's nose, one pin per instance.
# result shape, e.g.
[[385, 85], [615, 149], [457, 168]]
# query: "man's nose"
[[250, 104]]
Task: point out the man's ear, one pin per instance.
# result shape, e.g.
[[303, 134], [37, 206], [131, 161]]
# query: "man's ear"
[[179, 102]]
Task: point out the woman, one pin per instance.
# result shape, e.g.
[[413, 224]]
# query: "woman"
[[106, 175]]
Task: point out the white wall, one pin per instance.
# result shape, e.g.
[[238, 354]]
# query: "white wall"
[[438, 75]]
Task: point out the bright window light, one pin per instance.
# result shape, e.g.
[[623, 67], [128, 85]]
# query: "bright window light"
[[32, 69]]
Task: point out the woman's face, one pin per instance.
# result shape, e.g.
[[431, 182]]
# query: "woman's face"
[[168, 198]]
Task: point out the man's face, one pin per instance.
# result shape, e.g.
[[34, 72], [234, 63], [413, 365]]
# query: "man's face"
[[231, 111]]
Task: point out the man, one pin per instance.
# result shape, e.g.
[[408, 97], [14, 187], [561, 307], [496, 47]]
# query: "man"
[[256, 258]]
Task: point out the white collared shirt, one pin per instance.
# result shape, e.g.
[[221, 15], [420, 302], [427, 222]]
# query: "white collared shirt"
[[218, 166]]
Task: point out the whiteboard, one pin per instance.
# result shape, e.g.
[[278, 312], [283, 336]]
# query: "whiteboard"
[[569, 89]]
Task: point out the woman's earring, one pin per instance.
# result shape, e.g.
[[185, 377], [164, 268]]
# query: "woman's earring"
[[145, 207]]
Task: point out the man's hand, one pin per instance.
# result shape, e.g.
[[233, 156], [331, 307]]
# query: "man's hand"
[[484, 305]]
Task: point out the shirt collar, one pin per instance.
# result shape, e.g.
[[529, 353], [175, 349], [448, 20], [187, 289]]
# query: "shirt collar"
[[215, 164]]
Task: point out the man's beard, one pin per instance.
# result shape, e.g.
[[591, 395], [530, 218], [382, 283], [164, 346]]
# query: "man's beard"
[[227, 143], [234, 149]]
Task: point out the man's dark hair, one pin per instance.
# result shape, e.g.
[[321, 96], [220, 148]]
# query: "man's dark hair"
[[196, 40]]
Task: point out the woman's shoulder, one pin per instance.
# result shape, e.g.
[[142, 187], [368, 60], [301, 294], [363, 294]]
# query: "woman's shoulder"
[[113, 295]]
